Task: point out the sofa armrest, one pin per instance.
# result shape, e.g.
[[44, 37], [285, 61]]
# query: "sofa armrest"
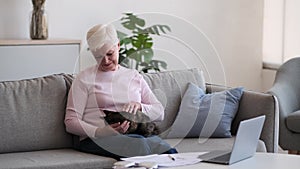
[[254, 104]]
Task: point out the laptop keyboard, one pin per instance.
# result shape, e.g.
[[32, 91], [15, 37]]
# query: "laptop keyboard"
[[224, 157], [214, 154]]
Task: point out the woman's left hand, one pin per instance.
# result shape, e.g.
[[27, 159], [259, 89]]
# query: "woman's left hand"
[[132, 107]]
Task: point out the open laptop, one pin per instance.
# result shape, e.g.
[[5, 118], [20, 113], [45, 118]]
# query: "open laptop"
[[244, 145]]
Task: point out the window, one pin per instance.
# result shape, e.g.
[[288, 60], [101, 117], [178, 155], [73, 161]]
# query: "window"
[[281, 33]]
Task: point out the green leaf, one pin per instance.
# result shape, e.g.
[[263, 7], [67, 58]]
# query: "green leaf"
[[142, 41], [136, 56], [132, 22], [121, 57], [125, 41], [144, 64], [122, 51], [138, 46], [121, 35], [124, 62], [156, 29], [147, 55], [163, 27], [130, 52]]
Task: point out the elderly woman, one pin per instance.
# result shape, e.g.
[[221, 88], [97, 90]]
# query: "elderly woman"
[[109, 86]]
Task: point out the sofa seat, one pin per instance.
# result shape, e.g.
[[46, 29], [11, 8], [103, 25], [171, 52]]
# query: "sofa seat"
[[203, 144], [54, 159]]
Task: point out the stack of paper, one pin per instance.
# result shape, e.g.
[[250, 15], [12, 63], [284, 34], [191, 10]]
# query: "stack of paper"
[[168, 160]]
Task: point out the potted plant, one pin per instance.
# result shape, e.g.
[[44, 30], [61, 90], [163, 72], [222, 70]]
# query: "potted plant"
[[136, 48]]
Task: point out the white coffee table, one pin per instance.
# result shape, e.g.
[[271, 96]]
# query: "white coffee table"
[[258, 161]]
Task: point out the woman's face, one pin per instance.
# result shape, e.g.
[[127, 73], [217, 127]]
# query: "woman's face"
[[107, 57]]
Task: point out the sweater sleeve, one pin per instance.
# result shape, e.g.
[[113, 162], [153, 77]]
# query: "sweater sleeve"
[[76, 103], [150, 105]]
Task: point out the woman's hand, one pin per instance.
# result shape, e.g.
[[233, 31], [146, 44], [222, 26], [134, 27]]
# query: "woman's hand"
[[112, 129], [121, 128], [132, 107]]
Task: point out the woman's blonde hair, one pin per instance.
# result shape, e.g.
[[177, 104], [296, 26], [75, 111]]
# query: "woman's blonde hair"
[[101, 34]]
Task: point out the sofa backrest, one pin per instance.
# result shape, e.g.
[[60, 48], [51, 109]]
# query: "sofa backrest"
[[31, 121], [169, 88]]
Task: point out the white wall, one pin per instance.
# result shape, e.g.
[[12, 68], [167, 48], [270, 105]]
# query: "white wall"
[[268, 77], [233, 26]]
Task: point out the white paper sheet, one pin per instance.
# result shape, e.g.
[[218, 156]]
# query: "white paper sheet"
[[164, 160]]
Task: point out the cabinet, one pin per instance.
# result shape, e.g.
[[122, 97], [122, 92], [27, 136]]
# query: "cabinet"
[[23, 59]]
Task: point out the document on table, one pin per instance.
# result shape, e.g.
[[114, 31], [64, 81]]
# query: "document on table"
[[168, 160]]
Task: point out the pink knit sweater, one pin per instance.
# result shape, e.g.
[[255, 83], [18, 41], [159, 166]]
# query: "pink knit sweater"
[[93, 91]]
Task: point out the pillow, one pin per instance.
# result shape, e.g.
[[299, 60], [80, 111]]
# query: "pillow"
[[169, 88], [206, 115]]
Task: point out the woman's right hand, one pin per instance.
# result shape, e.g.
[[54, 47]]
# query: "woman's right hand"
[[121, 128], [112, 129]]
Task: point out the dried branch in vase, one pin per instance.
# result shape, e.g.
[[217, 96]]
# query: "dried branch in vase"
[[38, 25], [37, 4]]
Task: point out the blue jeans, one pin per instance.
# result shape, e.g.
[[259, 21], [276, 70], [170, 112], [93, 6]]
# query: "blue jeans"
[[126, 146]]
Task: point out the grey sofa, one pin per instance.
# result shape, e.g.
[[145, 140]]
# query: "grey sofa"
[[32, 121]]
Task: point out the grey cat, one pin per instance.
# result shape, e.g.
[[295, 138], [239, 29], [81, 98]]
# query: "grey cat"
[[139, 122]]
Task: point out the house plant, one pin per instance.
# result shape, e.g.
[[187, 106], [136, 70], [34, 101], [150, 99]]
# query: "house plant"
[[136, 48]]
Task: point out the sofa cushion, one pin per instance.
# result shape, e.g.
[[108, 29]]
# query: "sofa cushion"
[[206, 115], [293, 121], [32, 114], [205, 145], [169, 88], [60, 159]]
